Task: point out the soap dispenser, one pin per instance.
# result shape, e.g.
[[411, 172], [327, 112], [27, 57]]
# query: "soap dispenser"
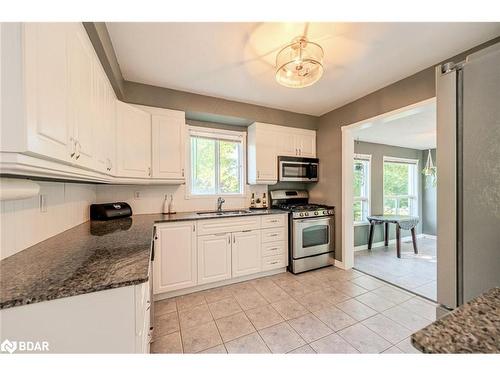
[[165, 205], [171, 208]]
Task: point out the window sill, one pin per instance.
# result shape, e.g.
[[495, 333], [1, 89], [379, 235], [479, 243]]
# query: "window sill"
[[215, 196], [360, 223]]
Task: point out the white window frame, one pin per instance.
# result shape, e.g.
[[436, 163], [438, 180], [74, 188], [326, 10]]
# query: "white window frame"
[[368, 158], [228, 135], [413, 185]]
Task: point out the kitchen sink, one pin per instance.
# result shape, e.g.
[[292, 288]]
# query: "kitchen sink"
[[223, 213]]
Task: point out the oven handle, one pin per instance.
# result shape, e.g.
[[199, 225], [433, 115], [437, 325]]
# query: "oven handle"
[[324, 218]]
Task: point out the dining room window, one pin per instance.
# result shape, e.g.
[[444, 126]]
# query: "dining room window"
[[361, 198], [400, 186]]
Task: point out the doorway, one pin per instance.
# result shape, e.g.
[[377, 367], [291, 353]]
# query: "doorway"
[[389, 174]]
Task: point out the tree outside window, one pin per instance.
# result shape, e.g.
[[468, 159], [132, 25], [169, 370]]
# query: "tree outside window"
[[216, 164], [400, 186]]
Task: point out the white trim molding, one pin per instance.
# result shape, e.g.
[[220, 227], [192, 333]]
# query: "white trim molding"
[[348, 138]]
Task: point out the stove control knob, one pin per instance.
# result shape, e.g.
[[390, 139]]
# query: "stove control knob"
[[306, 214], [316, 213], [325, 212], [301, 214], [330, 212]]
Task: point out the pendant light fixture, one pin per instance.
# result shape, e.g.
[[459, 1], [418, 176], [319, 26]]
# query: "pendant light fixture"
[[299, 64]]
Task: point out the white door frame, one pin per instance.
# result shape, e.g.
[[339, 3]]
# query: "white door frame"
[[347, 185]]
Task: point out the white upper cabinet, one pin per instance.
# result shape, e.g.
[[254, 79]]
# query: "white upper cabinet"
[[81, 114], [306, 143], [46, 93], [266, 142], [104, 124], [262, 155], [168, 144], [61, 105], [133, 141]]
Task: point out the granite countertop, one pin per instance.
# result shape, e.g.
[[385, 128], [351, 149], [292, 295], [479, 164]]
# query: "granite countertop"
[[90, 257], [184, 216], [471, 328]]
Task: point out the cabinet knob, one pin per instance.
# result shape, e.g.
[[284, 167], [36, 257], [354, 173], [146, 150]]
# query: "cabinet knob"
[[182, 172], [149, 171]]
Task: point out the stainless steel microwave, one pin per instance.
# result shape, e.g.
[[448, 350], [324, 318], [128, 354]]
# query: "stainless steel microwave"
[[298, 169]]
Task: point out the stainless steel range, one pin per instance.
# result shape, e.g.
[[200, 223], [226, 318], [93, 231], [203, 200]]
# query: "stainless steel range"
[[311, 230]]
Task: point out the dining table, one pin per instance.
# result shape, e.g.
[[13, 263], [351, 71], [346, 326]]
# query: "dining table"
[[405, 222]]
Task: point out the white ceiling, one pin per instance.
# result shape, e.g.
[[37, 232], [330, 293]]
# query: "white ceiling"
[[236, 60], [412, 128]]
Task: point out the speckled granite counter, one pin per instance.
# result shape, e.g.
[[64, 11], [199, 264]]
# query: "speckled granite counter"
[[181, 216], [471, 328], [90, 257]]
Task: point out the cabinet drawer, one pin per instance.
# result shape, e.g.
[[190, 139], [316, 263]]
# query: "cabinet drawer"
[[273, 234], [273, 262], [271, 221], [228, 225], [274, 248]]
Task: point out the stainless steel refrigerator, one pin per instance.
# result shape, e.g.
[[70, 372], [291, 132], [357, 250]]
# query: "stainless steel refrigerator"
[[468, 169]]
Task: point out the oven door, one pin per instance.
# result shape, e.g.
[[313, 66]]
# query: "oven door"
[[298, 171], [312, 236]]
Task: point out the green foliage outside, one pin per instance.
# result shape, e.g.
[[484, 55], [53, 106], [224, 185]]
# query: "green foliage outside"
[[204, 153]]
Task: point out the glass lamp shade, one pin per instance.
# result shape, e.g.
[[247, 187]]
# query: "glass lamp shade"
[[299, 64]]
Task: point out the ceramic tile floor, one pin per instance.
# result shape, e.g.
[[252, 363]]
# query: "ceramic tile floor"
[[413, 272], [324, 311]]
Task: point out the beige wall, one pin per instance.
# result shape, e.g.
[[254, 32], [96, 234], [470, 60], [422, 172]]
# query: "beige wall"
[[410, 90]]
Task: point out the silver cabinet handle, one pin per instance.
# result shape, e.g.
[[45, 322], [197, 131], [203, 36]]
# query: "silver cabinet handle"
[[79, 150], [272, 248], [229, 239], [149, 171], [273, 221], [194, 228], [273, 235], [182, 172], [258, 174], [73, 147], [234, 238], [275, 262]]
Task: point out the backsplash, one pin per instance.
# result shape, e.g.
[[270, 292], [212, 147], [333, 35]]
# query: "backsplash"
[[151, 197], [22, 223]]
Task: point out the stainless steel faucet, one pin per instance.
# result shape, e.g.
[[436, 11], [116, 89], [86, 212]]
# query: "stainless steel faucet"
[[220, 201]]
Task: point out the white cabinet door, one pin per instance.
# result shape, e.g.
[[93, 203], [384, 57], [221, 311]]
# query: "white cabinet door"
[[103, 103], [286, 144], [214, 258], [306, 144], [175, 256], [48, 131], [267, 162], [133, 141], [168, 145], [246, 253], [80, 60]]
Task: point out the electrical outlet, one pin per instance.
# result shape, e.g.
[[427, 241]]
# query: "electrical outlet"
[[43, 203], [137, 195]]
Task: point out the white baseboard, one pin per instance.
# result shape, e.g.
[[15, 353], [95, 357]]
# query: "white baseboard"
[[391, 242], [339, 264]]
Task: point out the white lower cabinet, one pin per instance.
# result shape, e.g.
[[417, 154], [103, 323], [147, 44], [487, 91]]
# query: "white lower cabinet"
[[214, 258], [246, 253], [108, 321], [175, 256], [192, 254]]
